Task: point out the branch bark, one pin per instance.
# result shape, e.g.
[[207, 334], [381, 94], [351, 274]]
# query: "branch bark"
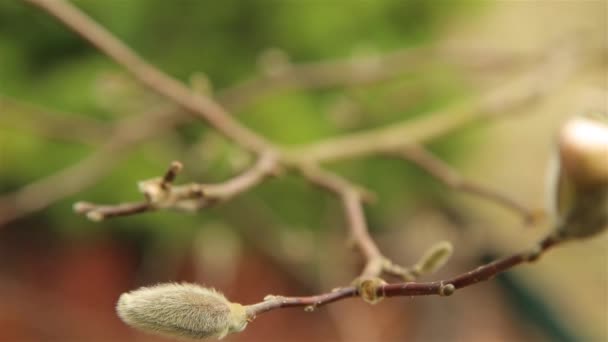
[[451, 178], [161, 194], [441, 288], [197, 104]]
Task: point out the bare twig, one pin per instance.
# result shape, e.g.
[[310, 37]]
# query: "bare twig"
[[18, 204], [510, 97], [352, 198], [161, 194], [441, 288], [128, 133], [355, 216], [355, 71], [163, 84], [451, 178], [51, 124]]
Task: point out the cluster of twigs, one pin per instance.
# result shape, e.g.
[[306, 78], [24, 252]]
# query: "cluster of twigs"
[[402, 140]]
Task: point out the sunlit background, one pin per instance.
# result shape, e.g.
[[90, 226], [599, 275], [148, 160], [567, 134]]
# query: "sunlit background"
[[65, 106]]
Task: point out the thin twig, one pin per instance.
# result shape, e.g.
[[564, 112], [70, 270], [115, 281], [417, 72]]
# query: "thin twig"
[[441, 287], [359, 144], [358, 71], [152, 77], [508, 98], [355, 216], [52, 124], [444, 173], [161, 194], [352, 197], [128, 133]]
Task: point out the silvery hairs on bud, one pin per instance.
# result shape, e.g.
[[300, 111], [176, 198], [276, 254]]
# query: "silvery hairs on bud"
[[181, 310]]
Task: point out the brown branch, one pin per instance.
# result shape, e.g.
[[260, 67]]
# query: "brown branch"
[[98, 212], [531, 86], [352, 198], [481, 273], [451, 178], [303, 160], [52, 124], [356, 71], [197, 104], [276, 302], [353, 210], [407, 289], [15, 205], [161, 194], [128, 133]]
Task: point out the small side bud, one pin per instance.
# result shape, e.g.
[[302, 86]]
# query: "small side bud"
[[181, 310], [434, 258], [368, 289], [155, 190], [446, 290]]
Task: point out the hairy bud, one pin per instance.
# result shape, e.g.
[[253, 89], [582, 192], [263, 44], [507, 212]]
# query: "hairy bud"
[[434, 258], [578, 192], [181, 310]]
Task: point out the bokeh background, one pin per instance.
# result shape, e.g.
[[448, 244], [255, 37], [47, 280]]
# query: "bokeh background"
[[61, 102]]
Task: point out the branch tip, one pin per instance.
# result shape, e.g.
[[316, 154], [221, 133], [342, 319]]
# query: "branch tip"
[[95, 216], [82, 207], [175, 168]]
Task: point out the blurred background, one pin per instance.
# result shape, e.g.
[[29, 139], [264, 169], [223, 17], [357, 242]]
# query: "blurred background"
[[74, 126]]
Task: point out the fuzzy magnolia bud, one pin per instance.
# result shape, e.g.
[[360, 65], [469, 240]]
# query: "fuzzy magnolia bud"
[[578, 192], [181, 310]]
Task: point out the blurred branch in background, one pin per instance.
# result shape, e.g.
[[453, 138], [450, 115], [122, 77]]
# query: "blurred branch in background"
[[509, 98], [382, 140], [451, 178], [279, 74], [159, 193], [127, 134], [54, 125], [403, 140]]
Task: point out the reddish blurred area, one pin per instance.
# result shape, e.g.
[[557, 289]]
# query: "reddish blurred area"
[[54, 289]]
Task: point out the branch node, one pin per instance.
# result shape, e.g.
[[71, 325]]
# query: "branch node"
[[369, 288]]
